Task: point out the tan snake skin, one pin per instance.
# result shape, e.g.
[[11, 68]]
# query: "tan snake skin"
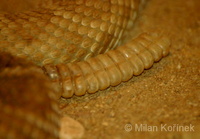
[[29, 108], [55, 38]]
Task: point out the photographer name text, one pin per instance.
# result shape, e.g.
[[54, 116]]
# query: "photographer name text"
[[164, 127]]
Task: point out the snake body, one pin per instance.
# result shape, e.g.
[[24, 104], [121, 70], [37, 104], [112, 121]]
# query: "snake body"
[[66, 31], [63, 39], [29, 108]]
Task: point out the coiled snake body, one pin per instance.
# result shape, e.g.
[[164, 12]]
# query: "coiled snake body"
[[56, 38]]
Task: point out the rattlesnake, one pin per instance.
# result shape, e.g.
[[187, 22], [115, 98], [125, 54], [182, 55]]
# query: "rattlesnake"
[[55, 38]]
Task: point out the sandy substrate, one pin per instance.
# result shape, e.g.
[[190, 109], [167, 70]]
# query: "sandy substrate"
[[168, 93]]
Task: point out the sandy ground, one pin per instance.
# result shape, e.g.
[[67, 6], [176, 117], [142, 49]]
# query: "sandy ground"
[[168, 93]]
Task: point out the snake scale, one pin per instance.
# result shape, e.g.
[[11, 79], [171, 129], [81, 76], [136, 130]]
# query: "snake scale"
[[66, 49]]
